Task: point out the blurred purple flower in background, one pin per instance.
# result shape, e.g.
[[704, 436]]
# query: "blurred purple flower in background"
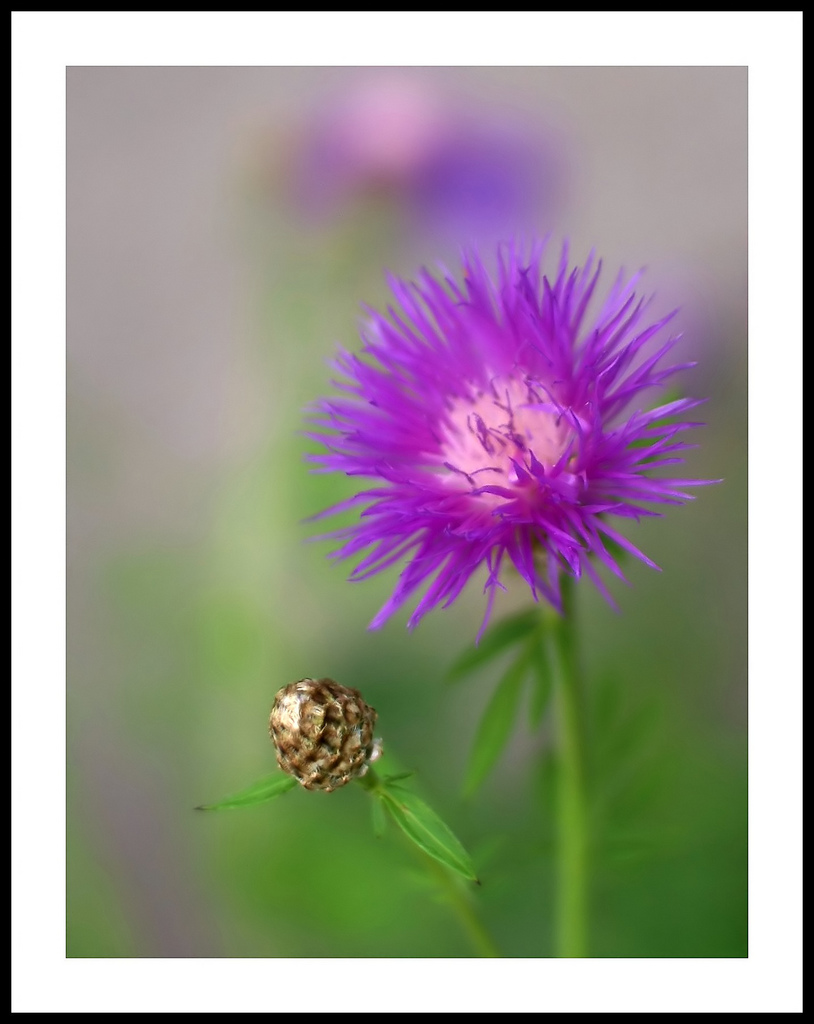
[[375, 135], [486, 179], [503, 424], [457, 171]]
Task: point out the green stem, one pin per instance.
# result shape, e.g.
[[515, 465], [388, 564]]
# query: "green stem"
[[458, 900], [572, 828]]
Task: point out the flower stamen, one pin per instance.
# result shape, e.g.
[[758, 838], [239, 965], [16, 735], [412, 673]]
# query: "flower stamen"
[[500, 429]]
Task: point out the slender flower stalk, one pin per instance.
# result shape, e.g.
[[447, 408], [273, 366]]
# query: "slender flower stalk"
[[572, 817]]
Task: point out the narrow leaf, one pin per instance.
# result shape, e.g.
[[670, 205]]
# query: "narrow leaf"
[[496, 724], [398, 777], [497, 639], [379, 818], [421, 824], [259, 793], [541, 694]]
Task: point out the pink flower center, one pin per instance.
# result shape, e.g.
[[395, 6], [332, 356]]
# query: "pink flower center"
[[487, 434]]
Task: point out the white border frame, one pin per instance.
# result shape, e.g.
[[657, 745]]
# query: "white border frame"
[[770, 44]]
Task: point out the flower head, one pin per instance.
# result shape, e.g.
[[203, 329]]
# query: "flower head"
[[503, 423]]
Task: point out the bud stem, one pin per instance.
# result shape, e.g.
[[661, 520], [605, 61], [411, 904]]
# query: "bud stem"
[[457, 898], [460, 902]]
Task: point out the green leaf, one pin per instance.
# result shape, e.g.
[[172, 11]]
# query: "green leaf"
[[496, 640], [421, 824], [379, 819], [496, 724], [398, 777], [632, 845], [541, 694], [259, 793]]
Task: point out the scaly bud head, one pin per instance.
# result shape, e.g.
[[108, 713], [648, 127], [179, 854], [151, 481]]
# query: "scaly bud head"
[[323, 733]]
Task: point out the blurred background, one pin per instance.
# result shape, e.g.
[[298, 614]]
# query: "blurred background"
[[225, 225]]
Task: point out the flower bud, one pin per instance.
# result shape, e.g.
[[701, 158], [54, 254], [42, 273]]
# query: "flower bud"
[[323, 733]]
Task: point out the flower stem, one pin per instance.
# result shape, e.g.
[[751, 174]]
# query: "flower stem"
[[571, 811]]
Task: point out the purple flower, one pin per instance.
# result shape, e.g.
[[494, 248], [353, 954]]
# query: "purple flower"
[[502, 424], [454, 170], [484, 179], [376, 135]]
